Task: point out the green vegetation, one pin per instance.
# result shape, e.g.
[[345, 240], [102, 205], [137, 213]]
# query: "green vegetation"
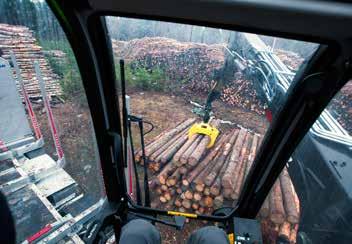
[[67, 70], [138, 76]]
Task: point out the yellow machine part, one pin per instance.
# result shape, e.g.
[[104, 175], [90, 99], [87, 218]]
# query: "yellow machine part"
[[205, 129]]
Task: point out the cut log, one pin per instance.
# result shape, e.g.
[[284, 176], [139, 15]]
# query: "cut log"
[[189, 195], [167, 136], [167, 145], [218, 201], [190, 150], [168, 154], [292, 214], [138, 153], [209, 180], [265, 209], [195, 206], [293, 234], [228, 180], [164, 188], [206, 191], [165, 172], [277, 212], [167, 196], [187, 204], [285, 230], [203, 164], [241, 168], [162, 199], [252, 153], [172, 179], [183, 170], [180, 152], [178, 202], [197, 196], [208, 201]]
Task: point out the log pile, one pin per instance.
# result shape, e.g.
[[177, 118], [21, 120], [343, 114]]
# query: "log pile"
[[241, 92], [189, 177], [189, 64], [281, 210], [21, 41]]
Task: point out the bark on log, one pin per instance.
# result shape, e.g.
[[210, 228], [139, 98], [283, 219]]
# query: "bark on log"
[[277, 212], [209, 180], [228, 180], [166, 171], [167, 136], [203, 164], [242, 168], [190, 150], [285, 230], [184, 148], [292, 214], [265, 209], [168, 154], [162, 148]]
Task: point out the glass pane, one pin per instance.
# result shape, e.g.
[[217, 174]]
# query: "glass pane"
[[179, 75], [310, 202], [49, 163]]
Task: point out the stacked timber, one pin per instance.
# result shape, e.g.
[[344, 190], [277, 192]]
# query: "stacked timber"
[[241, 92], [21, 41], [281, 210], [189, 177], [189, 65]]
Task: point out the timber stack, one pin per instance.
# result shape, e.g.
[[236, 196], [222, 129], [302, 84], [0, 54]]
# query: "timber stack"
[[189, 177], [189, 66], [21, 41]]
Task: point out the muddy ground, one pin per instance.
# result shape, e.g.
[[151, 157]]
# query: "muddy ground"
[[163, 110]]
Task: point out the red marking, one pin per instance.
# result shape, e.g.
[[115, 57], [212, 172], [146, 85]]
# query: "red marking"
[[130, 181], [57, 143], [40, 233], [268, 115], [3, 146], [37, 132]]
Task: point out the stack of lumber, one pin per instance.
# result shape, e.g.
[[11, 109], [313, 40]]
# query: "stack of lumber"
[[242, 93], [21, 41], [190, 177], [190, 65]]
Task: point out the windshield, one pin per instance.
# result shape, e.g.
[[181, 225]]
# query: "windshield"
[[207, 97]]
